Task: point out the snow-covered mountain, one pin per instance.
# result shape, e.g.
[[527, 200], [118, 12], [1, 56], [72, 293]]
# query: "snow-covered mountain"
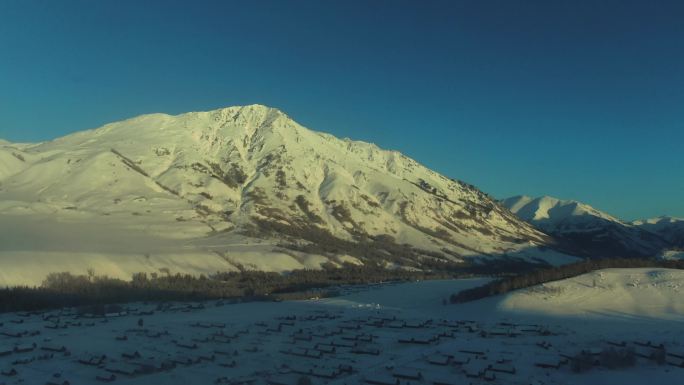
[[584, 229], [238, 187], [669, 228]]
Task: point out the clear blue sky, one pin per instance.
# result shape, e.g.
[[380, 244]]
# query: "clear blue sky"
[[575, 99]]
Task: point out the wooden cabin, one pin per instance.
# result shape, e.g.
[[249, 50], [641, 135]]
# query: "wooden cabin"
[[6, 351], [502, 368], [123, 368], [131, 354], [9, 372], [439, 359], [366, 350], [54, 348], [407, 373], [106, 377], [94, 360], [381, 379]]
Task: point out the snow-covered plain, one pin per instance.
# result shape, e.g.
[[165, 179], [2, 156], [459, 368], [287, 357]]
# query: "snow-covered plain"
[[385, 332]]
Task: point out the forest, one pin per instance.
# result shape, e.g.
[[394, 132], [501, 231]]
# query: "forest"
[[64, 289], [69, 290]]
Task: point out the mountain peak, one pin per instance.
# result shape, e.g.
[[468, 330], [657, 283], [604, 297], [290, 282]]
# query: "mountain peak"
[[580, 226], [250, 110], [548, 208]]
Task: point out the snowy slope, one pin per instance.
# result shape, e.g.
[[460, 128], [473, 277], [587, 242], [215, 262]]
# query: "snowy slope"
[[11, 160], [622, 293], [242, 187], [583, 228]]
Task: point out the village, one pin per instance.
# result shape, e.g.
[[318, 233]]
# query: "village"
[[308, 342]]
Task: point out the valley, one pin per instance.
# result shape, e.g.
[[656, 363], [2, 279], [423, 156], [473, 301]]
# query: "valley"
[[372, 334]]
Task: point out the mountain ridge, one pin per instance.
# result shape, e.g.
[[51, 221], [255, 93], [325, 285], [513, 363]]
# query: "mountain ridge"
[[668, 227], [582, 227]]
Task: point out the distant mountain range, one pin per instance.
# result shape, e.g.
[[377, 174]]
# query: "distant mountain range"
[[669, 228], [238, 188], [592, 233]]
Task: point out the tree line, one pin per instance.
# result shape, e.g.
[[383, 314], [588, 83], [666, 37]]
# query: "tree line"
[[548, 274], [65, 289]]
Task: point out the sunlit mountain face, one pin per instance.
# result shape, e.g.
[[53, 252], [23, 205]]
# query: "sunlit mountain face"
[[242, 188]]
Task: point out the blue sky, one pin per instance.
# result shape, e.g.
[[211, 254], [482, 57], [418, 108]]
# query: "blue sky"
[[575, 99]]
